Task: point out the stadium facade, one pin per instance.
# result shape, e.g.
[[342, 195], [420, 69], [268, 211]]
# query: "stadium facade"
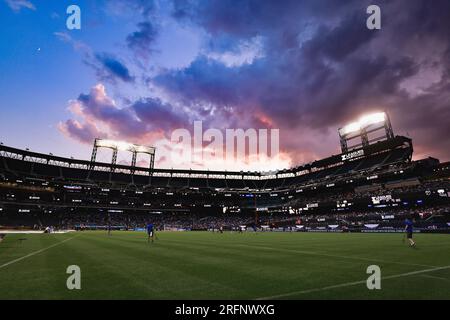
[[370, 186]]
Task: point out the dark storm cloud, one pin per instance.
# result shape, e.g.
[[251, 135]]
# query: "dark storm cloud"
[[284, 82], [163, 115], [339, 42], [322, 67], [142, 119], [205, 80], [142, 40], [305, 67], [107, 66], [251, 17], [111, 67]]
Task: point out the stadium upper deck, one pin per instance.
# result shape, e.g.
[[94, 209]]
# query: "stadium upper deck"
[[16, 163], [374, 169]]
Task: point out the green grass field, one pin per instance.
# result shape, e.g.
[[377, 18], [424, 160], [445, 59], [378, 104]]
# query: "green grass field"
[[201, 265]]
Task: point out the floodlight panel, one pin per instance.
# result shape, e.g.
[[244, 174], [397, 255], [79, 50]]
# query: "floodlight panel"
[[123, 146], [372, 119], [352, 127], [363, 122], [104, 143], [119, 145], [144, 149]]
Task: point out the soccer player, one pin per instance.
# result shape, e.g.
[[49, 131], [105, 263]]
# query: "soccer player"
[[409, 231], [150, 232], [108, 225]]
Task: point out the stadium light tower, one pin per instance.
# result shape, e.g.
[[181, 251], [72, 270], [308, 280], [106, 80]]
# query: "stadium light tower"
[[115, 146], [368, 124]]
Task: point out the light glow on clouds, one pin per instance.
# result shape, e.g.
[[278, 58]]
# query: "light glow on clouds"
[[246, 53], [307, 67]]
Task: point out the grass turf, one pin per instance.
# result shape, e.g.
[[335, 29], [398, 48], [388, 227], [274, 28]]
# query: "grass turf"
[[202, 265]]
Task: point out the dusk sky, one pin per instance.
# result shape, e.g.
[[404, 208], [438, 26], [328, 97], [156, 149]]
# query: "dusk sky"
[[139, 69]]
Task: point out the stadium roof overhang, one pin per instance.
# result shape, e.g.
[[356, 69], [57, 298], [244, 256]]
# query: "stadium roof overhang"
[[381, 146]]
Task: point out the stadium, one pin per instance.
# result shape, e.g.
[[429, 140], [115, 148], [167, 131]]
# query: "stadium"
[[222, 158], [308, 232]]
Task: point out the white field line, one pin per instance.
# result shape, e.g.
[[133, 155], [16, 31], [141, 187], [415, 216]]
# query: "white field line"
[[32, 231], [34, 253], [349, 284]]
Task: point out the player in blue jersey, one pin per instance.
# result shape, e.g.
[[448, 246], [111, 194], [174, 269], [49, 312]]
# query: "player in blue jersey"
[[409, 231], [151, 232]]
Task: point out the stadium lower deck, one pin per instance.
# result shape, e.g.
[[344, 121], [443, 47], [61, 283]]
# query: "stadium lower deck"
[[206, 265]]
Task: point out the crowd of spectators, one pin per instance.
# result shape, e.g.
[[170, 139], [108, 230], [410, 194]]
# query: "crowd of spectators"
[[423, 217]]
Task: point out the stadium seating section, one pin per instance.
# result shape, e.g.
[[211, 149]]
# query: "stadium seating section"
[[373, 192]]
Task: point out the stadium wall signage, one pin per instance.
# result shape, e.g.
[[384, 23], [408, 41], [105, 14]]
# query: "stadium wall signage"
[[352, 155]]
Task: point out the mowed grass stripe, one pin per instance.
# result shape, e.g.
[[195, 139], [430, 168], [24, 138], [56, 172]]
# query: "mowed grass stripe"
[[229, 261], [304, 272], [201, 265], [309, 252], [170, 268], [377, 246], [253, 278], [390, 270], [329, 270], [109, 272]]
